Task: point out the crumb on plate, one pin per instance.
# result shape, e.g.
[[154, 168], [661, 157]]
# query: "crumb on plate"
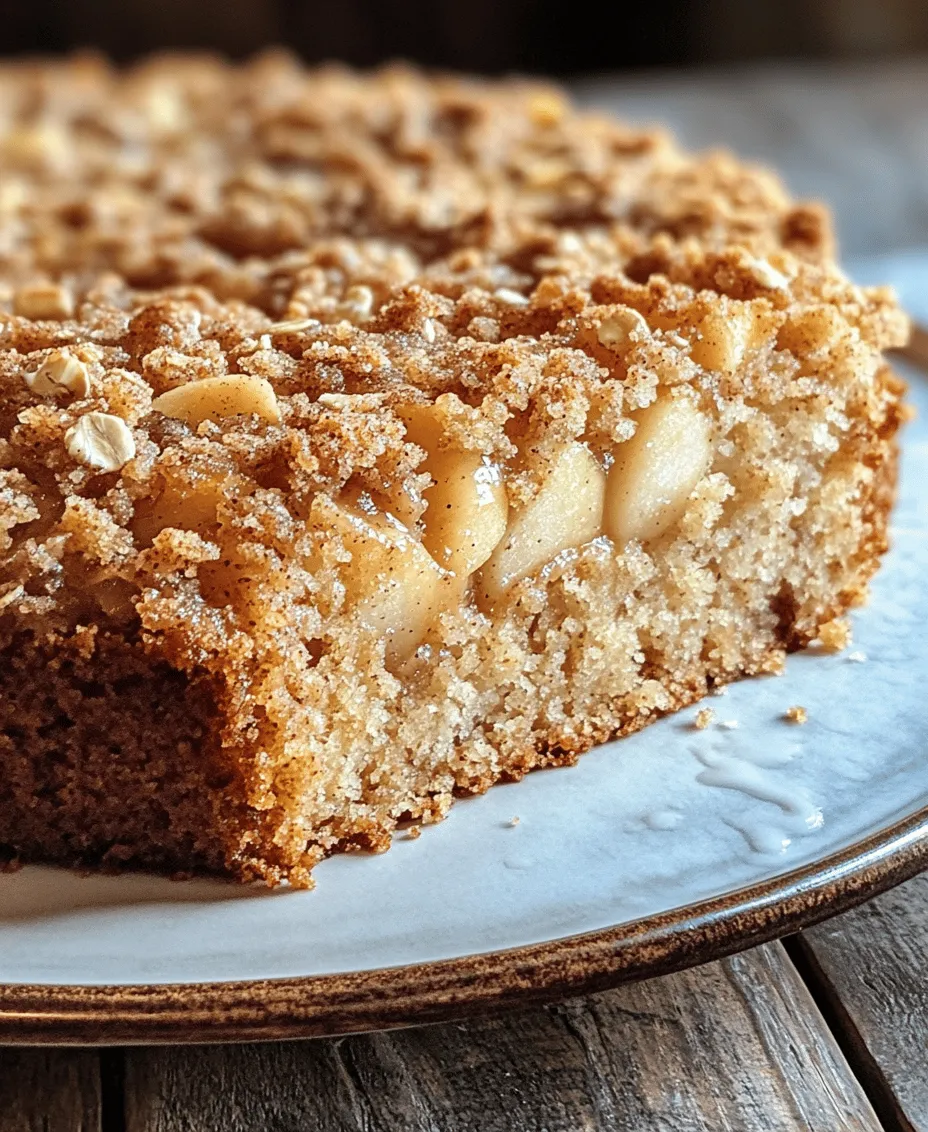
[[703, 718]]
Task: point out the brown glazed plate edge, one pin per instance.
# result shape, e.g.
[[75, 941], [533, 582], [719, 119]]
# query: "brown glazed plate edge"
[[327, 1005]]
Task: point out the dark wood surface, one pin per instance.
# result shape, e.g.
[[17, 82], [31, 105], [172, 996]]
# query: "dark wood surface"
[[814, 1035], [871, 971], [47, 1090], [826, 1033], [735, 1045]]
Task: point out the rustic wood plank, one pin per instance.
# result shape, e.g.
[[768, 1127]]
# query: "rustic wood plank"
[[868, 967], [736, 1045], [49, 1090]]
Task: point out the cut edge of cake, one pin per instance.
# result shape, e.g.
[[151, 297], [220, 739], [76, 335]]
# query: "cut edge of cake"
[[299, 551]]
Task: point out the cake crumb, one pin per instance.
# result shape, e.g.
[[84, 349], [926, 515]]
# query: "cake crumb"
[[796, 714], [835, 635], [719, 690], [858, 656], [414, 833], [729, 724], [513, 821], [703, 718]]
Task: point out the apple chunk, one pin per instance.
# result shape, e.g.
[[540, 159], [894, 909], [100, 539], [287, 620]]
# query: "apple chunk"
[[467, 510], [392, 581], [566, 512], [467, 507], [214, 398], [656, 470], [189, 505]]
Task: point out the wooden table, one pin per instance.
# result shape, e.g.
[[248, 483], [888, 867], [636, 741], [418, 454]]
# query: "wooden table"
[[827, 1031]]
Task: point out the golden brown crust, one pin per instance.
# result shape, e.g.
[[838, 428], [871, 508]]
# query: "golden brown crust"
[[180, 170], [354, 245]]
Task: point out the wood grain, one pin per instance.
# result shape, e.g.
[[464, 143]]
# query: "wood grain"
[[736, 1045], [869, 968], [49, 1091]]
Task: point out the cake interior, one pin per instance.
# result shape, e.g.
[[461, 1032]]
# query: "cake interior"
[[247, 676]]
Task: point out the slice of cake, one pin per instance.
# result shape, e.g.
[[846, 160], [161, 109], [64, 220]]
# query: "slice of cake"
[[366, 441]]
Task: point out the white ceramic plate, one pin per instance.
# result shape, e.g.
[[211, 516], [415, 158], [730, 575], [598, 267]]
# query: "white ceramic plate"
[[662, 822]]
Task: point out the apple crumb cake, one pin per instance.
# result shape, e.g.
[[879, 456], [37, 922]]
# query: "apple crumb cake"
[[368, 440]]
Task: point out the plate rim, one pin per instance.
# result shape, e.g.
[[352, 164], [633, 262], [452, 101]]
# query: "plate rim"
[[447, 989]]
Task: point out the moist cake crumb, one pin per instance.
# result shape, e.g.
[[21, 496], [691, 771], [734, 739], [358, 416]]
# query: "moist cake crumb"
[[796, 714], [835, 635], [703, 718], [368, 440]]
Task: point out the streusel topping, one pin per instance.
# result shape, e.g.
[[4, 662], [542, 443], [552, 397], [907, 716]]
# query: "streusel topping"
[[194, 171]]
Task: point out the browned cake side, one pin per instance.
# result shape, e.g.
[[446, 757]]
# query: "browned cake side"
[[368, 440]]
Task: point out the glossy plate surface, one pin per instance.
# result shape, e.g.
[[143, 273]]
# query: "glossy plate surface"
[[666, 849]]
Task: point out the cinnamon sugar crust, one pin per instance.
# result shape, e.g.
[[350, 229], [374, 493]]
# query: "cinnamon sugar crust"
[[192, 677]]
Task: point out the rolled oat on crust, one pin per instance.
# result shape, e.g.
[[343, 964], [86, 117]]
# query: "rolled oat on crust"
[[370, 439]]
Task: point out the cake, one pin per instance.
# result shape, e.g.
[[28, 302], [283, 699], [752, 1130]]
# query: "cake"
[[368, 440]]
